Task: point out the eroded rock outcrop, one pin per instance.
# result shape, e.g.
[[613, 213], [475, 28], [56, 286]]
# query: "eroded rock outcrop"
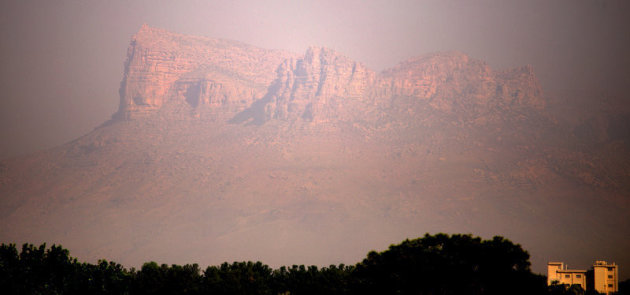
[[162, 66], [317, 85], [453, 81], [321, 85]]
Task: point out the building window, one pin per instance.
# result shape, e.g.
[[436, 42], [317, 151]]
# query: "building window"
[[609, 285], [610, 269], [567, 276], [610, 276], [578, 276]]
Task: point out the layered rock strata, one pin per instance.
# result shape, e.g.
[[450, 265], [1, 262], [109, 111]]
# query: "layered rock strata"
[[317, 85], [321, 85], [451, 80], [162, 67]]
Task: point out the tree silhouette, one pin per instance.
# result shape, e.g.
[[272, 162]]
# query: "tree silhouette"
[[434, 264], [443, 264]]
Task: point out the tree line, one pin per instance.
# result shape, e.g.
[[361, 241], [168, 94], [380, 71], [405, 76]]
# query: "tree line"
[[434, 264]]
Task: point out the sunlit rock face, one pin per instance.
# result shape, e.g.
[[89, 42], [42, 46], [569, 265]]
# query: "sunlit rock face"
[[318, 86], [222, 151], [164, 67], [454, 82], [321, 85]]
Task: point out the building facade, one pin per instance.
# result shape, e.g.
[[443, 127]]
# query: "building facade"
[[558, 272], [603, 277]]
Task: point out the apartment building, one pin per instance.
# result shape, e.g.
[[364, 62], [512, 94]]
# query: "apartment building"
[[559, 272], [603, 277]]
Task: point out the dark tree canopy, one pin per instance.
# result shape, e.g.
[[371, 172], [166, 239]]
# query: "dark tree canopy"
[[443, 264], [433, 264]]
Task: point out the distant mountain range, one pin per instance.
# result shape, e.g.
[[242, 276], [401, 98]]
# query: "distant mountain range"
[[221, 151]]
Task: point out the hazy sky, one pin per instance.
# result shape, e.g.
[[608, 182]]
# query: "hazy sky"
[[62, 61]]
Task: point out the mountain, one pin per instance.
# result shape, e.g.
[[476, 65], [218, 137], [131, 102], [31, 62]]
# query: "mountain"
[[222, 151]]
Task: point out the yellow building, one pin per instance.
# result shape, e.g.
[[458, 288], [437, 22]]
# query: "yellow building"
[[603, 277], [559, 272]]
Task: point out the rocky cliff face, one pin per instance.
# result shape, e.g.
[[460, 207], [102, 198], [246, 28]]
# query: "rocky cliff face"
[[163, 67], [455, 82], [320, 85], [317, 87]]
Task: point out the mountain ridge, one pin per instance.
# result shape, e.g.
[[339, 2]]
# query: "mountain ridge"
[[158, 70], [230, 152]]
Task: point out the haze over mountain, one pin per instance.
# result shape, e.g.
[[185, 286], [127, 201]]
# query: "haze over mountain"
[[223, 151], [62, 60]]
